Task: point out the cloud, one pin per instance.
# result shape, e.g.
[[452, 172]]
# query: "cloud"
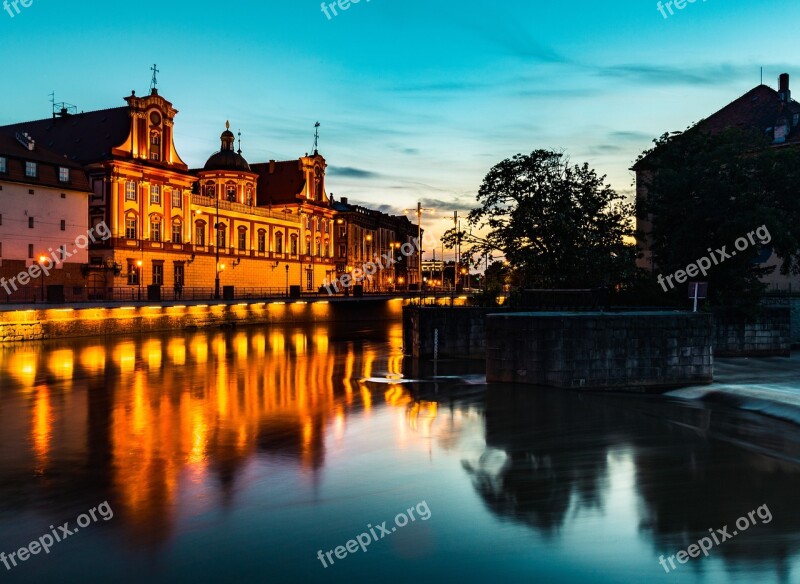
[[667, 75], [350, 172], [630, 136]]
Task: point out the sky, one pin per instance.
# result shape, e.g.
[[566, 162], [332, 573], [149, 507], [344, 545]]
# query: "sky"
[[417, 100]]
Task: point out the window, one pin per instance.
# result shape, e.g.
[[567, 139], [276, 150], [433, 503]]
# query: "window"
[[326, 249], [221, 240], [155, 139], [308, 247], [294, 244], [327, 226], [30, 222], [262, 241], [63, 174], [63, 225], [211, 191], [155, 194], [200, 233], [242, 240], [133, 274], [319, 248], [178, 274], [30, 251], [1, 218], [279, 242], [3, 164], [155, 229], [158, 274], [249, 199], [177, 198], [230, 191], [177, 232], [30, 169], [130, 191], [130, 227]]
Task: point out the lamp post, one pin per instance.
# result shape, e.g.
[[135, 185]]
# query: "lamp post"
[[392, 246], [139, 277], [41, 261], [420, 251], [287, 280], [216, 246]]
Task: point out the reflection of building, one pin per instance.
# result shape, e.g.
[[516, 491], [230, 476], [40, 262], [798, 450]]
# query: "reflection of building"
[[44, 202], [270, 224], [366, 235]]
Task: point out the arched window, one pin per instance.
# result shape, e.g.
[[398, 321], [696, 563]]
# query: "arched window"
[[262, 240], [155, 228], [319, 247], [308, 245], [131, 226], [177, 231], [211, 190], [199, 232], [294, 244], [279, 242], [230, 192], [221, 235], [242, 238], [249, 196]]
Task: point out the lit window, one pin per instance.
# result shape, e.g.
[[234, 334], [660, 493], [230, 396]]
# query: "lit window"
[[279, 242], [133, 274], [242, 240], [200, 233], [130, 191], [249, 199], [158, 274], [262, 241], [177, 233], [155, 194], [130, 227], [30, 169], [177, 198], [155, 230], [231, 193], [221, 239], [63, 174], [211, 191]]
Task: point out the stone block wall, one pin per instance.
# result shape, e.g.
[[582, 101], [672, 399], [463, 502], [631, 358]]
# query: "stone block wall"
[[767, 334], [613, 351], [462, 331]]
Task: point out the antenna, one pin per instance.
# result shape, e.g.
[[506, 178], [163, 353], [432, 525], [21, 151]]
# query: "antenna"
[[154, 81], [762, 75], [316, 137]]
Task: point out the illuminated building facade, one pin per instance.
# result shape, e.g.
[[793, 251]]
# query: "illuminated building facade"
[[264, 227], [366, 235], [44, 202]]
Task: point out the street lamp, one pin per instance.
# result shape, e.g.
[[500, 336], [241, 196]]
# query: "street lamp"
[[41, 261], [139, 276], [287, 280], [216, 246]]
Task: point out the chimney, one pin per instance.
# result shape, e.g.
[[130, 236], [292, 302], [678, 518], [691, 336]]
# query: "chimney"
[[271, 166], [344, 200], [783, 92]]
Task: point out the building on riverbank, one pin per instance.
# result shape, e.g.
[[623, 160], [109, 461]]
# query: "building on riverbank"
[[44, 206], [265, 226], [763, 108]]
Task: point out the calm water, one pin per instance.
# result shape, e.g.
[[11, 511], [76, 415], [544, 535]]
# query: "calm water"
[[235, 456]]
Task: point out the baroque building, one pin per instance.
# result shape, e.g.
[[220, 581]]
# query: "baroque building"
[[260, 229]]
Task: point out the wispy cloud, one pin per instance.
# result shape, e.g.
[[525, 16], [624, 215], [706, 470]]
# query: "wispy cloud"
[[350, 172]]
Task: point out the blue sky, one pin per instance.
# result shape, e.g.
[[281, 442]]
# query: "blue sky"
[[417, 99]]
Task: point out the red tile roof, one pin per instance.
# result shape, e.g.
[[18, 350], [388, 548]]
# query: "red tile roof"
[[285, 184]]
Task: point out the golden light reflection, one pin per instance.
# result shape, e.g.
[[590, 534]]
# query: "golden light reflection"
[[23, 367], [153, 351], [93, 359], [176, 349], [61, 363], [125, 356], [422, 415], [41, 428]]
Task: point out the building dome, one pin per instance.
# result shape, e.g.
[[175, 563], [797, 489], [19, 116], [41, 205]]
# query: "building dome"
[[227, 158]]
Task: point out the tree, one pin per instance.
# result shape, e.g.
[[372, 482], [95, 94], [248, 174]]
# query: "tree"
[[558, 225], [706, 191]]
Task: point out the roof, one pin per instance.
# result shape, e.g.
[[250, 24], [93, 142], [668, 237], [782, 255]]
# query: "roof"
[[227, 160], [279, 182], [48, 162], [758, 109], [84, 138]]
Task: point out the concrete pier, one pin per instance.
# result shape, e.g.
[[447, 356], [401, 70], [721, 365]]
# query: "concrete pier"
[[630, 351]]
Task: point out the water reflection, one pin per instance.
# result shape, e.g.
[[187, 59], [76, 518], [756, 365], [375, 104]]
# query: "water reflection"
[[298, 436]]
